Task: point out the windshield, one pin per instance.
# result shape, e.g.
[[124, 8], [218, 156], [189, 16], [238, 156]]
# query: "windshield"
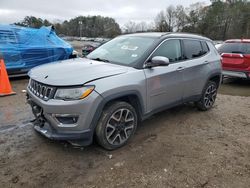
[[124, 50], [242, 48]]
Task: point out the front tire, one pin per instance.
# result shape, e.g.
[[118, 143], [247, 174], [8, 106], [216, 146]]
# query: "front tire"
[[208, 96], [117, 125]]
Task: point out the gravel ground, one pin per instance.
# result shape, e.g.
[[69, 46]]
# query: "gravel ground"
[[181, 147]]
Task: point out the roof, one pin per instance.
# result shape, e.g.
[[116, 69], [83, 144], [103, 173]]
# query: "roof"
[[238, 41], [149, 34], [168, 34]]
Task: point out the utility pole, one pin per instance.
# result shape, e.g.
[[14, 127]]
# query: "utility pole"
[[80, 28]]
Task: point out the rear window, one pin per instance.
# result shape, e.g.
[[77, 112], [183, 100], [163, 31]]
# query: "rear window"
[[240, 48], [192, 49], [247, 48]]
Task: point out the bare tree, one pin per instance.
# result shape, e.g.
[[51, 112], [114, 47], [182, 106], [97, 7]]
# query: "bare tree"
[[130, 27], [180, 18], [142, 26], [170, 17], [167, 20], [160, 22]]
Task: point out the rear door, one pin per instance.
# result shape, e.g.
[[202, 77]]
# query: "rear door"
[[197, 67], [165, 83]]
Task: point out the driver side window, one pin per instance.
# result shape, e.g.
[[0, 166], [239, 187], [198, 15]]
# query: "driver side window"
[[170, 49]]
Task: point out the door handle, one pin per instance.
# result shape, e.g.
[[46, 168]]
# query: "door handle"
[[206, 62], [180, 68]]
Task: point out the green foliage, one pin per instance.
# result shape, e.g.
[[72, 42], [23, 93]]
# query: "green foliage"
[[90, 26], [225, 20], [31, 21]]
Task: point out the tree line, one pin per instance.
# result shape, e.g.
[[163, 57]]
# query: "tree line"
[[87, 26], [220, 20]]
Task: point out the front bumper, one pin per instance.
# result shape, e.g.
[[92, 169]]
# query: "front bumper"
[[47, 131], [238, 74], [48, 125]]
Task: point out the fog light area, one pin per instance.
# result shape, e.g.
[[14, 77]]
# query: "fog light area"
[[67, 119]]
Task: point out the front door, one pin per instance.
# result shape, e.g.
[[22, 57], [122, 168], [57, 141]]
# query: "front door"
[[165, 83]]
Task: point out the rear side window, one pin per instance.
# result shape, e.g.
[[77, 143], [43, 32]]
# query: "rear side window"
[[192, 49], [204, 47], [247, 48], [232, 48], [170, 49]]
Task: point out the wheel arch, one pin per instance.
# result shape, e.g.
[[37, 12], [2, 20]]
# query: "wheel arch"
[[216, 77], [133, 97]]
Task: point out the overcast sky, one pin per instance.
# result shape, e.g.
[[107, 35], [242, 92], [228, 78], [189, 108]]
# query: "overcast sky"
[[122, 10]]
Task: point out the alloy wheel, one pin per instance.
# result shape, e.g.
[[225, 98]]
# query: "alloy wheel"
[[120, 126], [210, 96]]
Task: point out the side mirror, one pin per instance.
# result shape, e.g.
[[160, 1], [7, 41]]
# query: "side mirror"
[[158, 61]]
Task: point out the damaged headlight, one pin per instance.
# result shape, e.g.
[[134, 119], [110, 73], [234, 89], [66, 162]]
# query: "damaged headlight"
[[73, 93]]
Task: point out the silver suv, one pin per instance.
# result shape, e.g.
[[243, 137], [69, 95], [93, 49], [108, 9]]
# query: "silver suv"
[[121, 83]]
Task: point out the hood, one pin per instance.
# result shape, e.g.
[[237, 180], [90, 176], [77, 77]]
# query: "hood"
[[74, 72]]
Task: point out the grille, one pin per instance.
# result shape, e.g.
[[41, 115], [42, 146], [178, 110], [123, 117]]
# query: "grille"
[[41, 90]]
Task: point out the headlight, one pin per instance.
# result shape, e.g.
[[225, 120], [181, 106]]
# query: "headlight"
[[73, 93]]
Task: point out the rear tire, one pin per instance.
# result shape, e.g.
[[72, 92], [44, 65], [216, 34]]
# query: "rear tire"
[[208, 96], [117, 125]]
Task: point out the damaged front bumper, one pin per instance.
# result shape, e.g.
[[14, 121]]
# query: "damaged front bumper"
[[46, 130], [64, 120]]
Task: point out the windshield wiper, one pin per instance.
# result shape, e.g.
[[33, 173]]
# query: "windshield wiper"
[[100, 59]]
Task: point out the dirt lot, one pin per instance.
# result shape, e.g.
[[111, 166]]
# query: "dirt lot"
[[181, 147]]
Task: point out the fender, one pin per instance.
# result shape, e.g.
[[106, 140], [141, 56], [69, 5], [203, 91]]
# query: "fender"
[[106, 100], [215, 75]]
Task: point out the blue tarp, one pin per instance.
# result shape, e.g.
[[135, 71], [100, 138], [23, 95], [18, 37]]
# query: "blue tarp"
[[24, 48]]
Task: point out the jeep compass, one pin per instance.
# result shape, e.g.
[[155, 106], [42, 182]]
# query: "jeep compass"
[[121, 83]]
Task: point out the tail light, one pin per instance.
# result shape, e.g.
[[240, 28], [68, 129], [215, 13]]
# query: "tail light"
[[247, 55], [232, 55]]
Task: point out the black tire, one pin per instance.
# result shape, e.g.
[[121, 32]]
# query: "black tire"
[[208, 96], [118, 123]]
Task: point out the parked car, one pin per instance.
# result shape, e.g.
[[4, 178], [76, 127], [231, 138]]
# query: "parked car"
[[89, 48], [236, 58], [217, 46], [24, 48], [121, 83]]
